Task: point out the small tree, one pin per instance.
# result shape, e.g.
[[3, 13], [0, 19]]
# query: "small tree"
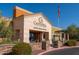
[[6, 30], [8, 33], [72, 30]]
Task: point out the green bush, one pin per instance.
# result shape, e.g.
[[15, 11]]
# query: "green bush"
[[22, 49], [71, 43], [6, 41]]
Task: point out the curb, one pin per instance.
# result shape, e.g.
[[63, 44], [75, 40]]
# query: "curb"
[[55, 49]]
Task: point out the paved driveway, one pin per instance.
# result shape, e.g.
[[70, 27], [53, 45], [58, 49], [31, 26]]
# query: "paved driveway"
[[67, 51]]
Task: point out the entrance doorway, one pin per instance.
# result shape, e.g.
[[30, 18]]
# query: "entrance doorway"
[[35, 38]]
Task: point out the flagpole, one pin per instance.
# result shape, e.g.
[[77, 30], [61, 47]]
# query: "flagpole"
[[58, 14], [58, 21]]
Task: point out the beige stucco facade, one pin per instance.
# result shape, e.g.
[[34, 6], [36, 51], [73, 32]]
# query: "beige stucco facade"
[[35, 22], [30, 25]]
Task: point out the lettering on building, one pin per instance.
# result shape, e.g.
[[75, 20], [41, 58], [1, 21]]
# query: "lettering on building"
[[39, 22]]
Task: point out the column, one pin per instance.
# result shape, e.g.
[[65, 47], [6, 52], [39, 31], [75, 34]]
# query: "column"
[[64, 38], [26, 36], [61, 36], [50, 37], [43, 37], [67, 36]]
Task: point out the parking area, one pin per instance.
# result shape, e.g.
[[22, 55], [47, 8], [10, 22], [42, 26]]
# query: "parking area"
[[67, 51]]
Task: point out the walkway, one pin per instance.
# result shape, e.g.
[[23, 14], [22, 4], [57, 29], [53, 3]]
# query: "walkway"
[[5, 48]]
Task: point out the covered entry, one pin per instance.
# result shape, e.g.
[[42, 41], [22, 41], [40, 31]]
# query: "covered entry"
[[60, 37], [36, 38]]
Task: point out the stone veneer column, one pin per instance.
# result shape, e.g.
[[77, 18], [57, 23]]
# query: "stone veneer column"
[[43, 37], [67, 36], [50, 37], [64, 38], [60, 36]]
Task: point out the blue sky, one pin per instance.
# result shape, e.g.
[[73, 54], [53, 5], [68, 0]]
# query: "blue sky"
[[69, 13]]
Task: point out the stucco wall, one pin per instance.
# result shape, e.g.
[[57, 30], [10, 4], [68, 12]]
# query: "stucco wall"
[[29, 24], [18, 24]]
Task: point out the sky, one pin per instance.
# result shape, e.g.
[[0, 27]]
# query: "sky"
[[69, 13]]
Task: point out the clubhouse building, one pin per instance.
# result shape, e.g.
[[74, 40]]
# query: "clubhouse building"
[[33, 28]]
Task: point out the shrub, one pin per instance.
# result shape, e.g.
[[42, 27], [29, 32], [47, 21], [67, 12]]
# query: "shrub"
[[71, 43], [6, 41], [22, 49]]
